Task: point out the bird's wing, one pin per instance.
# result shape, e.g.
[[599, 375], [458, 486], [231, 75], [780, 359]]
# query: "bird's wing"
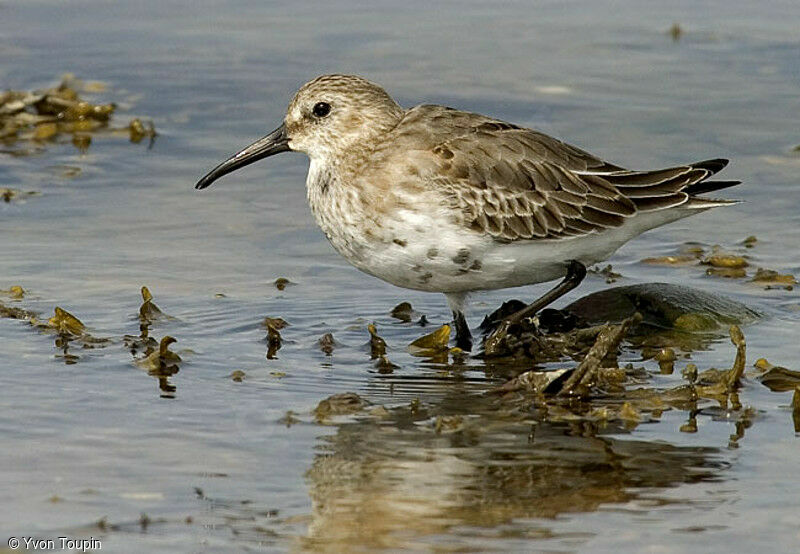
[[517, 184]]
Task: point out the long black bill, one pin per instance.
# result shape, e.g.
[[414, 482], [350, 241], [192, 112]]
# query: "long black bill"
[[273, 143]]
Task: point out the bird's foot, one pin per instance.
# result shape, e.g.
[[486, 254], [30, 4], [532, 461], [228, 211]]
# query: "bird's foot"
[[463, 334], [464, 343]]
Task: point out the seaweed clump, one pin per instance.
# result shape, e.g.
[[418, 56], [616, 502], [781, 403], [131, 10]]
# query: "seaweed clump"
[[274, 325], [728, 263], [66, 327], [41, 116], [599, 390]]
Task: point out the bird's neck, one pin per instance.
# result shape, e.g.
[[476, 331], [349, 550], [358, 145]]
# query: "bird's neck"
[[337, 208], [322, 175]]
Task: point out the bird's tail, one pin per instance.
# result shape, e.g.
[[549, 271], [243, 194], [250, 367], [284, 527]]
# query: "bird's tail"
[[672, 187]]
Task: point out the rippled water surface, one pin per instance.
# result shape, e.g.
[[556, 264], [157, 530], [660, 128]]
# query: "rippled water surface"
[[90, 444]]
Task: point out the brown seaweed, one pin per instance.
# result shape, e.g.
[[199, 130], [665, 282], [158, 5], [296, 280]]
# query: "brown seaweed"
[[432, 343], [377, 346], [43, 116]]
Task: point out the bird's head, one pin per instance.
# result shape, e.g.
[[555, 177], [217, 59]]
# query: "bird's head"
[[329, 117]]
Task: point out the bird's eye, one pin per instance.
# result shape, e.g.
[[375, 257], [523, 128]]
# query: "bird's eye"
[[321, 109]]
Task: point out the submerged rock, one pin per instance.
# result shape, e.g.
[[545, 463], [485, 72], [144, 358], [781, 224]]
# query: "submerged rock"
[[671, 316], [663, 305]]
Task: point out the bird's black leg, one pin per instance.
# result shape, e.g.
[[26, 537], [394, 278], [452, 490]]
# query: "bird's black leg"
[[463, 335], [576, 271]]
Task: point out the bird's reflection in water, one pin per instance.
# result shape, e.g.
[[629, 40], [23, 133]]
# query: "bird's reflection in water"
[[389, 482]]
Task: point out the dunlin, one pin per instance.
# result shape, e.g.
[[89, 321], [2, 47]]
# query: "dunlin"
[[436, 199]]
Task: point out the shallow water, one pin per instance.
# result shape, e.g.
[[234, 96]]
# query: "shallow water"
[[100, 439]]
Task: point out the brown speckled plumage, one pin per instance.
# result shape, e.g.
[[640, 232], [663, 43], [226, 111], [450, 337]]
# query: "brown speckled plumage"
[[514, 183]]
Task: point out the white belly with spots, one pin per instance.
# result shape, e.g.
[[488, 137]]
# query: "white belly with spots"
[[420, 247], [424, 252]]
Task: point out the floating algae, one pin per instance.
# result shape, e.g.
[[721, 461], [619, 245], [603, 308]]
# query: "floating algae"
[[432, 343], [275, 323], [406, 313], [535, 381], [66, 323], [62, 323], [148, 314], [162, 364], [608, 339], [274, 339], [608, 272], [144, 342], [714, 382], [719, 263], [597, 390], [13, 312], [725, 260], [671, 260], [771, 277], [162, 359], [384, 366], [66, 327], [327, 343], [282, 282], [237, 375], [43, 116], [666, 360], [577, 381], [403, 311], [8, 195], [690, 373], [743, 422], [82, 142], [728, 265], [14, 292], [524, 340], [148, 311], [676, 32], [377, 346], [448, 424], [727, 272], [339, 404], [138, 131], [777, 378]]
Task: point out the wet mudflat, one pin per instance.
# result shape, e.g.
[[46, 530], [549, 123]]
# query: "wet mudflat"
[[240, 401]]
